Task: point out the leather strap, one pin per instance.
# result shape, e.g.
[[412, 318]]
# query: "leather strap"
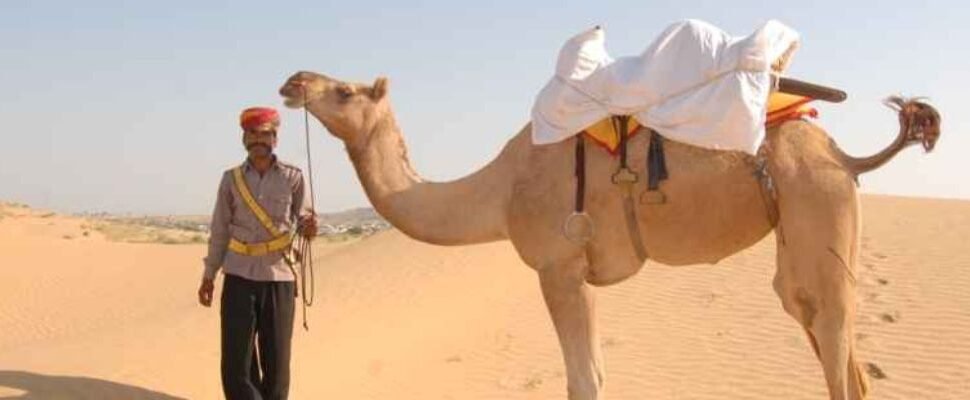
[[633, 226], [626, 178], [620, 125], [580, 172], [656, 162]]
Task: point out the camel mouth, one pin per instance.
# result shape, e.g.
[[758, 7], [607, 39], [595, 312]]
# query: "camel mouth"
[[293, 96], [291, 102]]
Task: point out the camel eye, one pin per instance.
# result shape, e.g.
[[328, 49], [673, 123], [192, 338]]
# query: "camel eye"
[[345, 92]]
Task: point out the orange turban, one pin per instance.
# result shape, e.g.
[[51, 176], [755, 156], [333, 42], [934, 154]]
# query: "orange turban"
[[256, 116]]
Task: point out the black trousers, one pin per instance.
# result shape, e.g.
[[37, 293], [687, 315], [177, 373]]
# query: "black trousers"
[[257, 328]]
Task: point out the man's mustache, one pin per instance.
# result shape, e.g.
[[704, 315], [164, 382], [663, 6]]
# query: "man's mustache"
[[254, 145]]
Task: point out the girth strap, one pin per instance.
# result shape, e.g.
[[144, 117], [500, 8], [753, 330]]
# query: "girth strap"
[[626, 178]]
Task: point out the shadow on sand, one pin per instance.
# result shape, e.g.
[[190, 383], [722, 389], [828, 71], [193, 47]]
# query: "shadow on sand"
[[32, 386]]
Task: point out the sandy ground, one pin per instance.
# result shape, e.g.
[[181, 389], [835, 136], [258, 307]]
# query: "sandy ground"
[[82, 317]]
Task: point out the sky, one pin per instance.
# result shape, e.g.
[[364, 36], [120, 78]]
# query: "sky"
[[132, 107]]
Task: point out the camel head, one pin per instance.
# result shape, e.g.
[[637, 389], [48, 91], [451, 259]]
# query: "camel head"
[[349, 111]]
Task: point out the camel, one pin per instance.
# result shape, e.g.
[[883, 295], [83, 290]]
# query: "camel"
[[714, 209]]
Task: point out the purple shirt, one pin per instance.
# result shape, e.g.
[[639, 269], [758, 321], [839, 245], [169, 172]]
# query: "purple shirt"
[[281, 192]]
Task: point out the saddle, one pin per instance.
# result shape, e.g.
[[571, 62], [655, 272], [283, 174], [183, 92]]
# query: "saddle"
[[789, 100], [782, 107]]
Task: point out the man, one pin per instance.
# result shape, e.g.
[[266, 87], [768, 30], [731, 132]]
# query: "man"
[[257, 207]]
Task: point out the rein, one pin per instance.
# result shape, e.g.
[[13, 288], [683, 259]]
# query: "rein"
[[303, 244]]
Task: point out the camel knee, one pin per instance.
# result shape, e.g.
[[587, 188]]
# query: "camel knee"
[[797, 302], [822, 300], [810, 298]]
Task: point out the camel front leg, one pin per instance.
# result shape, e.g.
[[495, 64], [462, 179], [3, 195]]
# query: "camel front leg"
[[571, 306]]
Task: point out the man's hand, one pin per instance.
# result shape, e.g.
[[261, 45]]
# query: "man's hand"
[[308, 226], [205, 292]]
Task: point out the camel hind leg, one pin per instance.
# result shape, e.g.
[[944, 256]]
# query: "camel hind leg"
[[816, 284]]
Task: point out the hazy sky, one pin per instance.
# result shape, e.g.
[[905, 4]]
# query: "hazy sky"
[[133, 107]]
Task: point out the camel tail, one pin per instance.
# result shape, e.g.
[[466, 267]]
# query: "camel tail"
[[918, 123]]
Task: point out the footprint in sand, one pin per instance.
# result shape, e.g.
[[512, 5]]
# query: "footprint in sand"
[[882, 281], [532, 383], [874, 371], [375, 367], [890, 318], [524, 384]]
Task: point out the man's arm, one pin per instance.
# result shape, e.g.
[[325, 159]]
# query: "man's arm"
[[219, 229], [302, 209]]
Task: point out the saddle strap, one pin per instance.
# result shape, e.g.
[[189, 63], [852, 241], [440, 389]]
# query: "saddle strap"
[[580, 173], [620, 125], [656, 161]]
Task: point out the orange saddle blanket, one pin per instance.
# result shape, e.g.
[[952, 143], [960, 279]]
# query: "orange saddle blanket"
[[781, 107]]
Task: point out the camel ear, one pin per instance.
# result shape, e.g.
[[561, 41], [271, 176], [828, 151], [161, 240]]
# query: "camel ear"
[[379, 90]]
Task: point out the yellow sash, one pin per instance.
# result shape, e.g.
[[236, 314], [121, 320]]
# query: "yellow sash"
[[280, 241]]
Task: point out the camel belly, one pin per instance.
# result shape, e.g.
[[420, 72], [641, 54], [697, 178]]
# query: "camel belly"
[[714, 208]]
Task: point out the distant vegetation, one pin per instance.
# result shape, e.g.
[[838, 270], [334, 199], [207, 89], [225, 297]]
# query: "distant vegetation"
[[353, 223], [141, 231], [5, 206], [333, 227]]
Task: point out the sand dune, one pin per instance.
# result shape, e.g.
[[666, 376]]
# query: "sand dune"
[[84, 317]]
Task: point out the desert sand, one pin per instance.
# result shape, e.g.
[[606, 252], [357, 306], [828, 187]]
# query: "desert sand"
[[83, 317]]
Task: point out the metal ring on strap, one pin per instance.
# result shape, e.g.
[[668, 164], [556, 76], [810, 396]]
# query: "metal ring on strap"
[[578, 228]]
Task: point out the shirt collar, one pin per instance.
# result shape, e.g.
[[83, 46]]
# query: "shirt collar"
[[248, 165]]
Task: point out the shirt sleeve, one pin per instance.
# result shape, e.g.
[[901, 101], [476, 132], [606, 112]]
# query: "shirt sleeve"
[[302, 206], [219, 229]]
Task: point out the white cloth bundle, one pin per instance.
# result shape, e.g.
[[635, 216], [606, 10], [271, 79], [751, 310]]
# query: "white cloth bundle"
[[694, 84]]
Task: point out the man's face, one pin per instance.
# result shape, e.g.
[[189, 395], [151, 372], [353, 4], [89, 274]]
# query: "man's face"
[[260, 141]]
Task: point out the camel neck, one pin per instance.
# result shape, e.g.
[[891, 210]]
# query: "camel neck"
[[450, 213]]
